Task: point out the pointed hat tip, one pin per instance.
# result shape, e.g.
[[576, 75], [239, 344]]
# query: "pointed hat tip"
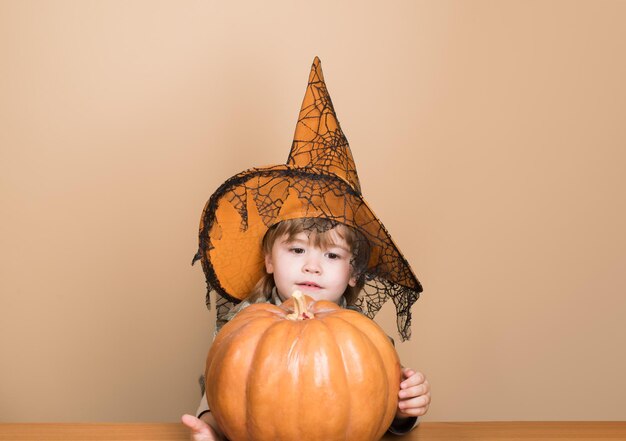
[[316, 71]]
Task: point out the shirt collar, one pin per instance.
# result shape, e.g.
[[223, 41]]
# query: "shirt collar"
[[275, 299]]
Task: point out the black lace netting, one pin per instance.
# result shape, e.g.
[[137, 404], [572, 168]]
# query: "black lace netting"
[[318, 181]]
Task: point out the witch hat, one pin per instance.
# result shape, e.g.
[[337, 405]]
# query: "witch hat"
[[319, 180]]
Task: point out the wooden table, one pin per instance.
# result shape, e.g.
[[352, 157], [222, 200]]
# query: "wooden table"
[[491, 431]]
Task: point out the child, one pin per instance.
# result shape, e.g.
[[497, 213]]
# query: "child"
[[317, 235], [326, 266]]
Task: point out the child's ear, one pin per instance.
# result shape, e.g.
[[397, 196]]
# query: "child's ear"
[[352, 281], [269, 266]]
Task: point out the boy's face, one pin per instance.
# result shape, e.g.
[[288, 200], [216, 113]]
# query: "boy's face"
[[298, 264]]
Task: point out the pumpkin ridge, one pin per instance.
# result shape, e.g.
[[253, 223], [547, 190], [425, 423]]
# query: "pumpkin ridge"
[[254, 362], [386, 383], [388, 344], [221, 352], [301, 329], [365, 337], [324, 337], [343, 362]]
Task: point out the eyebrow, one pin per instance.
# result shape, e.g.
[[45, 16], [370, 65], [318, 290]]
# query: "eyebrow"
[[332, 246], [307, 242]]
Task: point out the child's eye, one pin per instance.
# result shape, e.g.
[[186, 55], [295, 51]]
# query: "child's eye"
[[333, 256], [296, 250]]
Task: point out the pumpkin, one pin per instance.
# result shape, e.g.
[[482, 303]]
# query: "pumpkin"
[[305, 370]]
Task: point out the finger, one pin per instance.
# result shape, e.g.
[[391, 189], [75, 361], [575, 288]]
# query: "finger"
[[414, 391], [195, 424], [414, 412], [413, 380], [413, 403], [425, 386], [407, 372]]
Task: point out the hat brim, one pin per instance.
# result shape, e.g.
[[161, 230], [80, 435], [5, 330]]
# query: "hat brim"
[[239, 213]]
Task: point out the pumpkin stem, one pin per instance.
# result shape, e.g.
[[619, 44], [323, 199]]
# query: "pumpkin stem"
[[299, 311]]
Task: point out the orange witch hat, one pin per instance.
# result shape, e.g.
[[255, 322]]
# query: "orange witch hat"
[[319, 180]]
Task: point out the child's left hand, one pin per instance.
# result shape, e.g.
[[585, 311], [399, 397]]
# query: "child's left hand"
[[414, 394]]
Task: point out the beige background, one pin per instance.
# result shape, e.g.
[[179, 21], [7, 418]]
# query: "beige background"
[[489, 136]]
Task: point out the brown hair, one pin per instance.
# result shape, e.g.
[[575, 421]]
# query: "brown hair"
[[318, 229]]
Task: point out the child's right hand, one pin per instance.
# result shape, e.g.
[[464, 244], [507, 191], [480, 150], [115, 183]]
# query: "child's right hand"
[[200, 430]]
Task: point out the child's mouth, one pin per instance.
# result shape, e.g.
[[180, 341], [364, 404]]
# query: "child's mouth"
[[309, 285]]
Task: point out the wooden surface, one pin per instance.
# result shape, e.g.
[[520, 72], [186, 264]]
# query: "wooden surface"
[[491, 431]]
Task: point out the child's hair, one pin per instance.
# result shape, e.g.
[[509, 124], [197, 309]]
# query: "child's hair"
[[319, 229]]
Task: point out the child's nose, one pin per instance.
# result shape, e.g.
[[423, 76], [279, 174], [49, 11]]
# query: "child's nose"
[[312, 266]]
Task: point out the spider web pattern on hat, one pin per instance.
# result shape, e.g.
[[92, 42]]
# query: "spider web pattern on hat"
[[318, 181]]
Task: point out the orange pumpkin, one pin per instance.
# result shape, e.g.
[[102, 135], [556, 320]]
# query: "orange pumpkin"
[[306, 370]]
